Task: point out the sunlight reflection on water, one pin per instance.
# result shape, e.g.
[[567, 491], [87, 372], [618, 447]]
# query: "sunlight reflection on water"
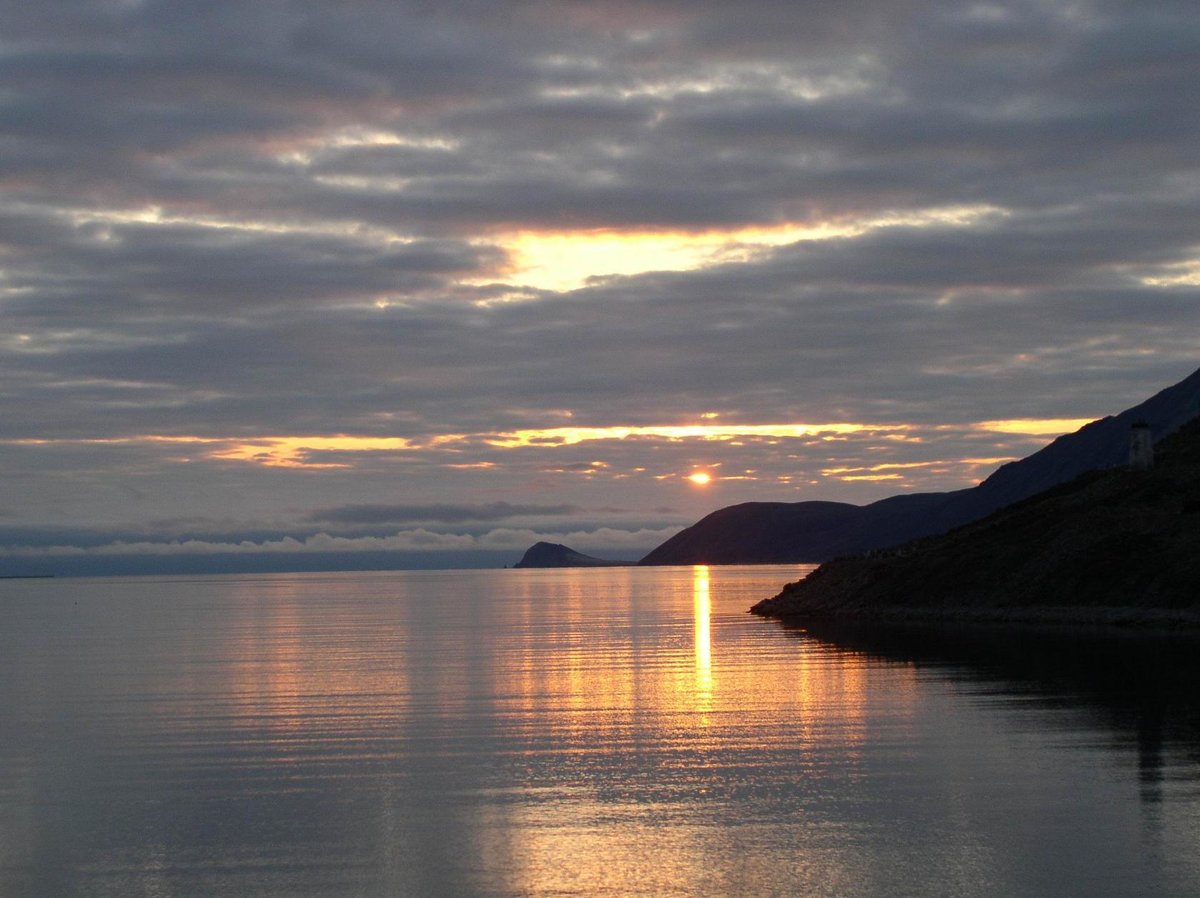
[[619, 730]]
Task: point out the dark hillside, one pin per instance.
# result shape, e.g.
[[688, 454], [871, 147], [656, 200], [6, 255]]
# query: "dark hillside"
[[784, 533], [1110, 544]]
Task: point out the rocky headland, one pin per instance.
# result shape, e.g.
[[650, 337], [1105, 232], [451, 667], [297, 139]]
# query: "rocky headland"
[[1111, 546]]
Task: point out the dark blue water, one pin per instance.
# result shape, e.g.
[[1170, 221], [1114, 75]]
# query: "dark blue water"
[[616, 731]]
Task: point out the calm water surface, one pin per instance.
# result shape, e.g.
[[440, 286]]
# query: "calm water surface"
[[617, 731]]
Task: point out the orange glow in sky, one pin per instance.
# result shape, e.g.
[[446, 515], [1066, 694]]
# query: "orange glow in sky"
[[291, 452], [337, 450], [569, 436], [567, 260], [1035, 426]]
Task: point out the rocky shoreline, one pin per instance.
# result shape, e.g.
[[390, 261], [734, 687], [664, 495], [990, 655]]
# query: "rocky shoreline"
[[1041, 616], [1115, 547]]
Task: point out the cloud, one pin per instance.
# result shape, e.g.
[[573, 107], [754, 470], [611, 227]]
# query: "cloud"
[[395, 222], [414, 540], [447, 514]]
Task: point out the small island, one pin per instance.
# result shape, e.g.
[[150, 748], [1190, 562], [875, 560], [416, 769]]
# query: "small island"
[[554, 555], [1120, 545]]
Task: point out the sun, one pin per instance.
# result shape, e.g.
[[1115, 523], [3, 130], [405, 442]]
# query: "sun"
[[700, 478]]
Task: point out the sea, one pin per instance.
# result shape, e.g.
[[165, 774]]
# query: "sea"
[[580, 732]]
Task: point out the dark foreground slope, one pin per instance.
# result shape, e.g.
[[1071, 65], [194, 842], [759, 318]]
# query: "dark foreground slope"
[[1114, 545], [547, 555], [785, 533]]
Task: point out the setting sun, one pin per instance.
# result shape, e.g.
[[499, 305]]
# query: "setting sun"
[[700, 478]]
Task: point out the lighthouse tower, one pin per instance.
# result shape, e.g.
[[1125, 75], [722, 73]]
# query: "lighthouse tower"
[[1141, 447]]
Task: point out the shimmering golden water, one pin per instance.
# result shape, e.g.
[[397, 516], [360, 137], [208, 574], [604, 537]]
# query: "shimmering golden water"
[[618, 731]]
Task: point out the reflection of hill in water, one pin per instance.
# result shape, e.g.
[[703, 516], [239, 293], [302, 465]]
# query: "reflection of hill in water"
[[1144, 688]]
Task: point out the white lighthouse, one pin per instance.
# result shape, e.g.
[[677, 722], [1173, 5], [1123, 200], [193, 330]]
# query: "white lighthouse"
[[1141, 447]]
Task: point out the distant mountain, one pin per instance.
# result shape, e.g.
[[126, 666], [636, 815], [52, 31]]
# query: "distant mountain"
[[797, 532], [557, 555], [1117, 545]]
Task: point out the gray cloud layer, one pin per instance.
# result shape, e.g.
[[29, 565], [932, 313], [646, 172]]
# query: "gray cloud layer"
[[446, 514], [234, 220]]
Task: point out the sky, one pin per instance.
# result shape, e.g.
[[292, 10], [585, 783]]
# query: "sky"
[[342, 283]]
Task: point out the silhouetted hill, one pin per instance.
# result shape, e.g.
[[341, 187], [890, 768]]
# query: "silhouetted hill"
[[557, 555], [797, 532], [1114, 545]]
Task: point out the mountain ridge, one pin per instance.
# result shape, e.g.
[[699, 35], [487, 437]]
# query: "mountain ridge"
[[1112, 546], [807, 532]]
